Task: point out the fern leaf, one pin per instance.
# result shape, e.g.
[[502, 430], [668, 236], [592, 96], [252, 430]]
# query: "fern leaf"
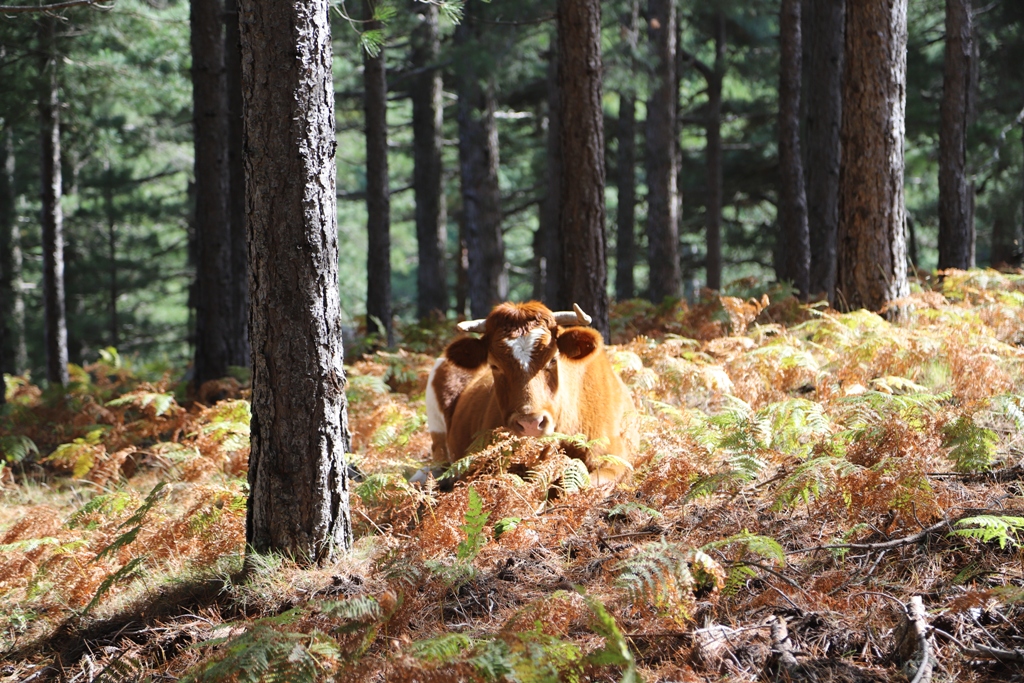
[[129, 571], [575, 476], [14, 449], [476, 521], [616, 650], [987, 528], [442, 649], [972, 448], [762, 546]]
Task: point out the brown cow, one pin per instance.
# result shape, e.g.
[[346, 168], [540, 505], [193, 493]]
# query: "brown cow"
[[533, 375]]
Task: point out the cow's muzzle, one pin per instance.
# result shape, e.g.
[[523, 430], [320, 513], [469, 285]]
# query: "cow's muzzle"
[[540, 424]]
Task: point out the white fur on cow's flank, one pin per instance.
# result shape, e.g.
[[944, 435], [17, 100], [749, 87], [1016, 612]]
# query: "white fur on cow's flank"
[[435, 416], [523, 345]]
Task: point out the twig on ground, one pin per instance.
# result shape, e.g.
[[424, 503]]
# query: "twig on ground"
[[894, 543]]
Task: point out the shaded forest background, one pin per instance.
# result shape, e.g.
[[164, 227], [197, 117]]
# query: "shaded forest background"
[[128, 166]]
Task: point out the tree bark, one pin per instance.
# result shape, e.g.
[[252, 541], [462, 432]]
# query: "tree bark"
[[713, 159], [378, 193], [550, 262], [584, 257], [428, 180], [112, 296], [298, 500], [239, 335], [956, 224], [872, 257], [826, 25], [625, 215], [662, 194], [795, 252], [212, 227], [12, 306], [478, 168], [52, 218]]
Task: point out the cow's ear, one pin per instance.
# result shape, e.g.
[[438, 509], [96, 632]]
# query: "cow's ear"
[[468, 353], [578, 342]]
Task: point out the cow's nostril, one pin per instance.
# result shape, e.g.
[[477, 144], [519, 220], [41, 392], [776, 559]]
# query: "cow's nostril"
[[542, 424]]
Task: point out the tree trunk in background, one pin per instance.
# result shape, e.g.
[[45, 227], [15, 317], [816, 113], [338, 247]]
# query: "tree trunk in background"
[[378, 193], [795, 252], [212, 226], [239, 335], [298, 500], [956, 224], [12, 307], [872, 257], [428, 180], [111, 215], [584, 253], [625, 217], [713, 158], [461, 269], [824, 106], [625, 166], [52, 218], [478, 167], [662, 194], [1008, 237], [550, 263]]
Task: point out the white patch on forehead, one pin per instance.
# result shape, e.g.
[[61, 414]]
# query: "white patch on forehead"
[[522, 346]]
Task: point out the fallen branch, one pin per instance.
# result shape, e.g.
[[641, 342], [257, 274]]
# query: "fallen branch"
[[983, 651], [883, 545], [912, 647]]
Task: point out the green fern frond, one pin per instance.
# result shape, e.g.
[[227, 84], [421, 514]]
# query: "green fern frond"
[[473, 527], [16, 448], [27, 545], [362, 608], [506, 524], [660, 573], [228, 422], [106, 503], [622, 510], [459, 468], [268, 653], [575, 476], [972, 448], [794, 424], [616, 650], [812, 479], [441, 649], [762, 546], [160, 402], [130, 571], [396, 429], [987, 528], [364, 387]]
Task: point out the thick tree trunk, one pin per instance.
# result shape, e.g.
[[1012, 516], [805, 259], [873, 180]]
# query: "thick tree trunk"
[[956, 224], [12, 306], [795, 252], [298, 500], [378, 193], [428, 180], [478, 167], [239, 334], [1008, 238], [872, 254], [625, 215], [212, 227], [662, 194], [584, 253], [52, 218], [824, 106], [550, 262], [713, 159]]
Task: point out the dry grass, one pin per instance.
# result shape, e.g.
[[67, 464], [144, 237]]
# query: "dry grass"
[[786, 451]]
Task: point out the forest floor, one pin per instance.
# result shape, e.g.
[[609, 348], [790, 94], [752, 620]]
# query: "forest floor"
[[817, 496]]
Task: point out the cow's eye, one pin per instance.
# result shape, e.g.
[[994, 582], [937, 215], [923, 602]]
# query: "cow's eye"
[[495, 368], [553, 364]]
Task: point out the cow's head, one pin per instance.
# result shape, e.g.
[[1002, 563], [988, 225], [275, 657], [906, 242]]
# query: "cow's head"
[[527, 347]]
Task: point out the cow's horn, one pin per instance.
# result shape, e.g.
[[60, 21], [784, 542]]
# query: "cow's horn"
[[473, 325], [573, 317]]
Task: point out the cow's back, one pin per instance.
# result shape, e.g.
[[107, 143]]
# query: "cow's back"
[[460, 404]]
